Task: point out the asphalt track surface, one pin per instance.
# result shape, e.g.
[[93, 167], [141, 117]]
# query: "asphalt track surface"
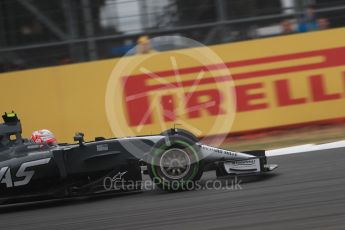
[[306, 192]]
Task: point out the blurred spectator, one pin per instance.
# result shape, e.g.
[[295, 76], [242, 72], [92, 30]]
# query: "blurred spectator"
[[287, 27], [323, 23], [124, 49], [310, 22], [144, 45]]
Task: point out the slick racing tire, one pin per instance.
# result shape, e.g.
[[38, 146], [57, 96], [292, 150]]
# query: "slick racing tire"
[[174, 164]]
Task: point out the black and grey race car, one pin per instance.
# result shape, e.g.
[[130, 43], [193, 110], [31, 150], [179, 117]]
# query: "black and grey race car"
[[173, 159]]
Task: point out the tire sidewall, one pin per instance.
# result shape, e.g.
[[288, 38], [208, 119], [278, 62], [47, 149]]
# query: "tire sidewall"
[[154, 169]]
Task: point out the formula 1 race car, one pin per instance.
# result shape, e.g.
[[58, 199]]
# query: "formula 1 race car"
[[31, 171]]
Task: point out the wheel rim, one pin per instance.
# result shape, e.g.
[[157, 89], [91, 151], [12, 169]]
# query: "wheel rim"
[[175, 164]]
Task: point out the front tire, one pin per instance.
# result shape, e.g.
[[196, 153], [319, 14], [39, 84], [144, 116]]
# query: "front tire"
[[174, 164]]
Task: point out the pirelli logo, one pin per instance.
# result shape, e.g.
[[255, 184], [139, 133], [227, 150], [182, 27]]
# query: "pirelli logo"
[[269, 83]]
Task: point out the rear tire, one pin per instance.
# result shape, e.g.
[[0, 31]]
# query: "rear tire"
[[174, 164]]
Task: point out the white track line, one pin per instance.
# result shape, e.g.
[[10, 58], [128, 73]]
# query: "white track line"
[[304, 148]]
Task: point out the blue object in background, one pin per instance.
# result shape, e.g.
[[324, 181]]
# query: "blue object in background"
[[308, 26], [121, 50]]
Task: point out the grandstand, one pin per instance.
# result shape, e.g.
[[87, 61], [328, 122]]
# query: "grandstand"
[[39, 33]]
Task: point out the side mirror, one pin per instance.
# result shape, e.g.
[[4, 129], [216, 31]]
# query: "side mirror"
[[80, 138]]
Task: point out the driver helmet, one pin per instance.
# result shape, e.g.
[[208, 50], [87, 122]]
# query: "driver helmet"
[[44, 136]]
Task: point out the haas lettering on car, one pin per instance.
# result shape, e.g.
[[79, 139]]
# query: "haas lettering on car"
[[6, 177]]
